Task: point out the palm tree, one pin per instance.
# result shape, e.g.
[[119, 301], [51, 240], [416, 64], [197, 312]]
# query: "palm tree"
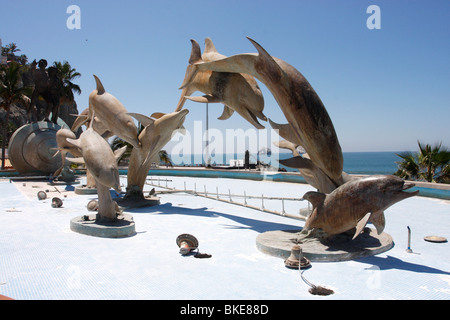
[[11, 92], [164, 157], [10, 50], [118, 143], [431, 163], [67, 74]]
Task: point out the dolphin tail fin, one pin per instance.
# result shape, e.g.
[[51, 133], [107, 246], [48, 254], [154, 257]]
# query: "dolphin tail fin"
[[226, 114], [378, 220], [362, 224], [79, 121], [284, 144], [100, 89], [297, 162]]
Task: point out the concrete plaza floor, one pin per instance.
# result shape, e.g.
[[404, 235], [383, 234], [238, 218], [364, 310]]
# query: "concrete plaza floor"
[[42, 259]]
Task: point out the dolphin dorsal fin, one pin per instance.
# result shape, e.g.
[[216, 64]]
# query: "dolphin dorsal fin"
[[196, 53], [315, 198], [209, 46], [100, 89]]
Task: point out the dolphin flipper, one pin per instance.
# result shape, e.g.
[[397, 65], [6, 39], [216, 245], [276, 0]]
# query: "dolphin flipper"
[[378, 220], [144, 120], [226, 114], [362, 224], [208, 98]]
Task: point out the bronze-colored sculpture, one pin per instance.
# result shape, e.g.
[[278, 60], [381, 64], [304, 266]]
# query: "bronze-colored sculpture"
[[47, 85], [64, 147], [238, 92], [311, 126], [112, 114], [354, 204], [102, 163], [351, 202], [157, 132], [97, 125]]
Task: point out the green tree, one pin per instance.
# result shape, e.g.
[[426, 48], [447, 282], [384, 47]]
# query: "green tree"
[[118, 143], [430, 163], [67, 74], [11, 92]]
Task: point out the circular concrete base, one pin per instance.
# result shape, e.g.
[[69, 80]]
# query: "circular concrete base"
[[138, 202], [85, 190], [369, 243], [123, 227]]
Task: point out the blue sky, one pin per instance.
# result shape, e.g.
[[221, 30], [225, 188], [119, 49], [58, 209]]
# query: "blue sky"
[[384, 89]]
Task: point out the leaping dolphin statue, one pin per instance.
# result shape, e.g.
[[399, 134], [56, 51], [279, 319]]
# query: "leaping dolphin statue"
[[157, 132], [112, 114], [98, 157], [302, 107], [238, 92], [356, 203], [64, 147], [101, 162]]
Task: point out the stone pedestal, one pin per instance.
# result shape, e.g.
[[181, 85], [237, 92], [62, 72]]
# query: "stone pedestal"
[[123, 227], [369, 243]]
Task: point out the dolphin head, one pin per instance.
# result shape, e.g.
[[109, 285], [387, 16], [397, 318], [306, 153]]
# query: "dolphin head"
[[395, 188], [175, 119]]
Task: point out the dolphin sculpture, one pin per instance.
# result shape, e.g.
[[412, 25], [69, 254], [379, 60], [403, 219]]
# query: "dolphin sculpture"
[[101, 162], [238, 92], [302, 107], [157, 132], [112, 114], [65, 147], [97, 125], [356, 203]]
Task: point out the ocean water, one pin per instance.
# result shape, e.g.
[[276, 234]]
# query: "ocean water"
[[354, 162]]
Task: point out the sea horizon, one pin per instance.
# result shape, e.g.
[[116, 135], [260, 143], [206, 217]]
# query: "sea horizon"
[[355, 162]]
